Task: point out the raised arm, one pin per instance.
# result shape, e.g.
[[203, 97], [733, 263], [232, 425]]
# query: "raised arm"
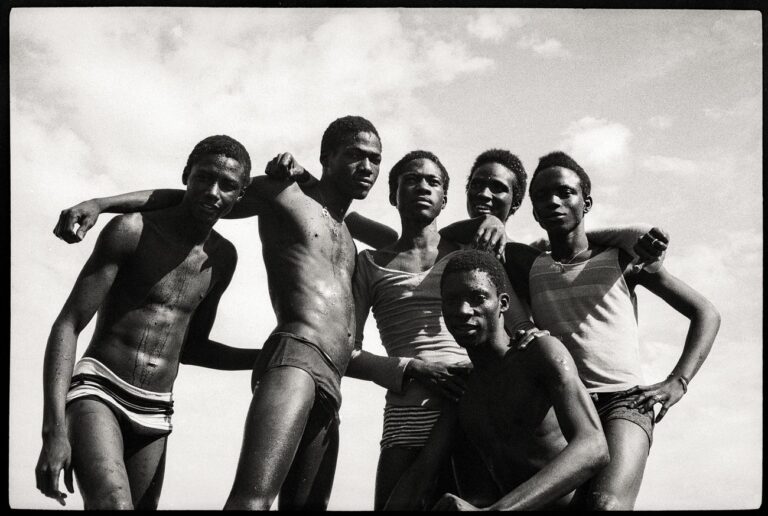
[[646, 244], [199, 349], [586, 452], [417, 485], [702, 330], [86, 213], [112, 247]]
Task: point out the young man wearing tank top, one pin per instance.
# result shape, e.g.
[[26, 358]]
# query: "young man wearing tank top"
[[583, 294]]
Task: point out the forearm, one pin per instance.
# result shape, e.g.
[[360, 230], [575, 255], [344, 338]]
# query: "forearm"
[[215, 355], [464, 230], [577, 463], [623, 237], [698, 342], [388, 372], [144, 200], [58, 364]]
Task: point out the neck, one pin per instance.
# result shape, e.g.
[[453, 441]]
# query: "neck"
[[186, 227], [333, 200], [418, 234], [488, 355], [566, 245]]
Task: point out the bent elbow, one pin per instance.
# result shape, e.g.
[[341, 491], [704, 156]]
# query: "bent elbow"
[[599, 453]]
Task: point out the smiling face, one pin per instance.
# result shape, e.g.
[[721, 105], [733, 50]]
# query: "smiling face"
[[353, 165], [214, 184], [420, 190], [490, 191], [472, 308], [559, 205]]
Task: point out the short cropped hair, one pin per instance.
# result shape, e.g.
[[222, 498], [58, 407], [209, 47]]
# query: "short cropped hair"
[[561, 159], [219, 144], [507, 159], [399, 168], [340, 129], [471, 260]]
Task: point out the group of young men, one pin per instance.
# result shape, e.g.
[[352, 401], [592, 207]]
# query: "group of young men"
[[513, 374]]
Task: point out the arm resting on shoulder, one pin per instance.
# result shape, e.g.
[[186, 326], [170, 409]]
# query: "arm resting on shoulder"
[[370, 232]]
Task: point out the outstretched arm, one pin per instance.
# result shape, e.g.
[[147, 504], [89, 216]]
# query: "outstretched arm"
[[704, 325], [646, 244], [89, 291], [86, 213], [417, 485], [199, 349]]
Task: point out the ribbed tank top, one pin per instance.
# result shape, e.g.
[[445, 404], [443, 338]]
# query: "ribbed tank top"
[[587, 305]]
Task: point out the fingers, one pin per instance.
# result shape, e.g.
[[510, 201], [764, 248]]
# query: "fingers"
[[65, 228], [68, 478], [660, 235], [460, 369], [662, 413]]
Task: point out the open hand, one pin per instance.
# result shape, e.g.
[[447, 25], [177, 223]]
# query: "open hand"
[[284, 167], [84, 214], [446, 379], [667, 393], [450, 502], [55, 458], [522, 338]]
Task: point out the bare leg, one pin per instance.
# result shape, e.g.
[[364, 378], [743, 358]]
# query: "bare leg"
[[474, 481], [617, 485], [145, 464], [97, 455], [310, 479], [393, 462], [273, 428]]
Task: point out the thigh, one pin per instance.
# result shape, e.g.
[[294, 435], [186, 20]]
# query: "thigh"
[[97, 455], [473, 480], [393, 462], [273, 428], [145, 464], [310, 479], [617, 485]]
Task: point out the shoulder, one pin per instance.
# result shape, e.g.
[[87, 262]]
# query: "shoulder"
[[122, 233], [551, 359], [222, 249]]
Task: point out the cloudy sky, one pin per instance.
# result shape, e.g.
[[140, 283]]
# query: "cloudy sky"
[[663, 108]]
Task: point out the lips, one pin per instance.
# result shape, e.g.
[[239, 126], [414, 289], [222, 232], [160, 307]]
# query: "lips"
[[210, 208]]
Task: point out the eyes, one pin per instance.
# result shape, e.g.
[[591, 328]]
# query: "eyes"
[[205, 179], [413, 179], [471, 298], [562, 192], [354, 154], [496, 187]]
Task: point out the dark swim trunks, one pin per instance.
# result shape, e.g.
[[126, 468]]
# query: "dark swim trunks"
[[615, 405], [286, 349]]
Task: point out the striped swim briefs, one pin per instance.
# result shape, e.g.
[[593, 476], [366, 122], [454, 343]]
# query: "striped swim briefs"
[[407, 427], [147, 412]]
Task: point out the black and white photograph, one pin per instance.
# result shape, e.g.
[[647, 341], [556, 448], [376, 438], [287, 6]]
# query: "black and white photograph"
[[301, 257]]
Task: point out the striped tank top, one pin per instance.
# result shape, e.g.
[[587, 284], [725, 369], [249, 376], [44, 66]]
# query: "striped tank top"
[[587, 305]]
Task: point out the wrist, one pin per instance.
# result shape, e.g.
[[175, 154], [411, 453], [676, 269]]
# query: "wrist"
[[681, 379], [411, 368], [100, 203]]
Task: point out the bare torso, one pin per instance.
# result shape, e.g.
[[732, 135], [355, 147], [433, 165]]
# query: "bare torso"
[[310, 259], [511, 421], [142, 323]]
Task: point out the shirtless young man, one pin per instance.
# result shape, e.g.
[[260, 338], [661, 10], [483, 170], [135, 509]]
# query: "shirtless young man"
[[526, 412], [291, 432], [155, 280], [582, 293]]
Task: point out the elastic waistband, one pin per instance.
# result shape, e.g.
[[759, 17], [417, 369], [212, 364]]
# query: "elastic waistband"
[[320, 351], [90, 367]]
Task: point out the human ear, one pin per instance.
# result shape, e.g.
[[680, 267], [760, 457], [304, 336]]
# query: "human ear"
[[587, 204], [503, 302], [185, 176]]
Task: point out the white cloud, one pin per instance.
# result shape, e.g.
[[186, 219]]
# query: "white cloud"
[[661, 121], [599, 145], [494, 25], [549, 47], [670, 165]]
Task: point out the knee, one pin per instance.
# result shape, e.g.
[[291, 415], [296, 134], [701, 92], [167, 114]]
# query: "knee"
[[599, 501], [116, 500]]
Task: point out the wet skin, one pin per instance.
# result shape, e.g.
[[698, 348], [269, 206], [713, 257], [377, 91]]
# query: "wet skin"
[[155, 280]]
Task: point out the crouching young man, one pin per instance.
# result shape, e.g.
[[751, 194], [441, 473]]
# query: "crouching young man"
[[526, 412]]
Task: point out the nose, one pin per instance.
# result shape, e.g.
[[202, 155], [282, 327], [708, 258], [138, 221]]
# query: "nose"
[[422, 185], [213, 190], [483, 192], [365, 164], [464, 308]]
